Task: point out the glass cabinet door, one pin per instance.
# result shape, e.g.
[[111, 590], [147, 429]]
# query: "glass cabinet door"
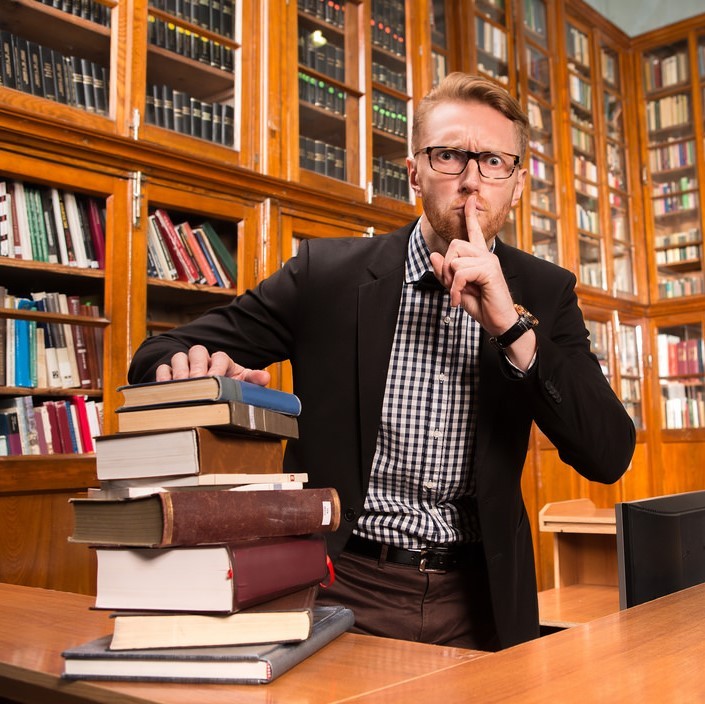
[[391, 99], [631, 379], [618, 189], [536, 92], [672, 203], [493, 44], [600, 344], [439, 42], [681, 375], [590, 242]]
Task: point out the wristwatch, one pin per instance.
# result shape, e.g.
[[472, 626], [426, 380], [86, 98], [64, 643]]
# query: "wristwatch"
[[525, 323]]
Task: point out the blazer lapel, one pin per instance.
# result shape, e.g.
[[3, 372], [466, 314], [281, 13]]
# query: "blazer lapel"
[[378, 308]]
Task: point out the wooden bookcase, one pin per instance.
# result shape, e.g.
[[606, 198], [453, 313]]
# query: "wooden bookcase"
[[253, 181]]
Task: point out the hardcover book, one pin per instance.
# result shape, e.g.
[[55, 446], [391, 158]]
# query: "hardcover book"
[[220, 578], [283, 620], [201, 516], [189, 451], [232, 416], [208, 389], [241, 664]]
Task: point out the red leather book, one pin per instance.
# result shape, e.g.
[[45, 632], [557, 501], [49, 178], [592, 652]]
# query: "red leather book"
[[208, 578], [199, 516], [185, 266]]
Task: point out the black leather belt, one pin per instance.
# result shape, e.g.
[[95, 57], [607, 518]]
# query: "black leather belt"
[[431, 559]]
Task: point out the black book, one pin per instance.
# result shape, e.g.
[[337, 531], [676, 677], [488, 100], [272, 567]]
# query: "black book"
[[20, 47], [226, 19], [61, 87], [7, 59], [149, 114], [168, 107], [35, 68], [78, 88], [178, 98], [217, 122], [185, 114], [228, 125], [158, 106], [206, 121], [88, 88], [47, 70], [99, 76], [195, 117]]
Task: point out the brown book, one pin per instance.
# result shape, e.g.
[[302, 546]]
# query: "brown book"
[[187, 451], [208, 578], [282, 620], [233, 416], [200, 516]]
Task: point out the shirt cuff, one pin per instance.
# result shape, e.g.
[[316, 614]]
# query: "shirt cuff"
[[520, 373]]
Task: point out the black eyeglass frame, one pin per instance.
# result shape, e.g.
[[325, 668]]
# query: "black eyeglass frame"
[[471, 155]]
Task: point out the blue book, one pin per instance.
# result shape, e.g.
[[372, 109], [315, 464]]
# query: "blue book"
[[207, 389], [237, 664], [25, 340]]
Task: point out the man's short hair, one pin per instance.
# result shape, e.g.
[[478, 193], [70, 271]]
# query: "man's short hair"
[[460, 87]]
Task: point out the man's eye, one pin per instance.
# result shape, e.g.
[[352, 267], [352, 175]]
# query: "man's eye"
[[448, 156], [493, 160]]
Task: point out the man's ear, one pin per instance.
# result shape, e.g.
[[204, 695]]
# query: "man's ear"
[[519, 186], [413, 176]]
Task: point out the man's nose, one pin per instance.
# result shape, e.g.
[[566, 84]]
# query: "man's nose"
[[470, 178]]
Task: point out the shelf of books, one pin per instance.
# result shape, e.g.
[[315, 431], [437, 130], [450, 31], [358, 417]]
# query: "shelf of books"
[[681, 374], [673, 202], [618, 192], [190, 85], [536, 47], [54, 236], [494, 47], [194, 261], [329, 89], [583, 133], [440, 48], [630, 368], [391, 98], [56, 59]]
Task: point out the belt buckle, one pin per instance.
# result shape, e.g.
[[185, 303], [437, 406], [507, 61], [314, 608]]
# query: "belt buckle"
[[423, 560]]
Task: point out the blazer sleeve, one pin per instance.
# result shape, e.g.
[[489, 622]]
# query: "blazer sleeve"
[[572, 401]]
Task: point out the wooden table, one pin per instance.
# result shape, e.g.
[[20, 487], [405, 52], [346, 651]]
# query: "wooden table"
[[36, 625], [651, 654]]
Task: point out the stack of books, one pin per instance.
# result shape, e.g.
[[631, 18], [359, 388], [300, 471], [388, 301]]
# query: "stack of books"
[[208, 554]]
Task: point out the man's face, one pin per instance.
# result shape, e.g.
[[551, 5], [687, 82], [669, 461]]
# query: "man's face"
[[475, 127]]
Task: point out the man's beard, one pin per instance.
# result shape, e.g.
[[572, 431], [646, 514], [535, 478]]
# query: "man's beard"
[[448, 226]]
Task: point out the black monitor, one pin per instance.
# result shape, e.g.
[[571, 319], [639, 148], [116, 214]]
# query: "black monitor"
[[660, 546]]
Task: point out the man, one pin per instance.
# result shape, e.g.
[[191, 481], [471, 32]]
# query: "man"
[[420, 370]]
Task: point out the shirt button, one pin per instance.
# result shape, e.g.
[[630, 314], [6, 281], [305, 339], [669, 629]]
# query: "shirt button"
[[436, 433], [442, 377], [447, 320]]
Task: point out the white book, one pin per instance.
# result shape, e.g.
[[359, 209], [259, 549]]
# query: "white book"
[[76, 230], [22, 221], [61, 228]]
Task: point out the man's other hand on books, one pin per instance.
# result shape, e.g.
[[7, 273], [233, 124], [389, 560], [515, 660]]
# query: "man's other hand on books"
[[199, 362]]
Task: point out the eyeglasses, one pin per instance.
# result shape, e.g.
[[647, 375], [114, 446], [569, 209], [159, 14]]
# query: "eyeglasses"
[[453, 161]]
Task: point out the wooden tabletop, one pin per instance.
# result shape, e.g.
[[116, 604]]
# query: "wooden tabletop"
[[651, 654], [564, 607], [36, 625]]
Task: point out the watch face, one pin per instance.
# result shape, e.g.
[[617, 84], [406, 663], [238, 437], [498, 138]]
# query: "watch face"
[[528, 317]]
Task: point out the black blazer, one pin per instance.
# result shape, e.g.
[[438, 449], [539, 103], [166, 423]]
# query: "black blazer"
[[332, 311]]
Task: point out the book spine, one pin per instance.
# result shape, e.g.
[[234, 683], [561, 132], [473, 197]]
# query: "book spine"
[[188, 518]]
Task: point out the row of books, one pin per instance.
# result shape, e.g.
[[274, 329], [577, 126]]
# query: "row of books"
[[49, 225], [321, 157], [682, 406], [678, 356], [661, 72], [675, 239], [318, 92], [578, 45], [182, 252], [492, 40], [682, 285], [63, 426], [672, 156], [182, 505], [388, 77], [33, 68], [388, 26], [214, 15], [328, 58], [192, 45], [50, 355], [684, 183], [671, 111], [682, 203], [390, 179], [675, 255], [176, 110], [330, 11], [85, 9], [389, 114]]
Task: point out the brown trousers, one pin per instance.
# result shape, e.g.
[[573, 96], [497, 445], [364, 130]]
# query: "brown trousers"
[[397, 601]]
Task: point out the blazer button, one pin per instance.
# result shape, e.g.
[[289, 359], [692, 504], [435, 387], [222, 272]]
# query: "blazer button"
[[349, 514], [552, 391]]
